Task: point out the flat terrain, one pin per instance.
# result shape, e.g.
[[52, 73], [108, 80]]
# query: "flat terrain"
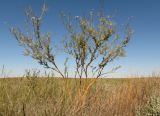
[[65, 97]]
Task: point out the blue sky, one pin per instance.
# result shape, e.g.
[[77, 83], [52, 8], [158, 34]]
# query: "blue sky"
[[143, 52]]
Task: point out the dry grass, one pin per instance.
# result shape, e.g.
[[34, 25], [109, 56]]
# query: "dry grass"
[[64, 97]]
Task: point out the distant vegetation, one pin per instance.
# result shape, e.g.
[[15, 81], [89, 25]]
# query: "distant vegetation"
[[32, 96]]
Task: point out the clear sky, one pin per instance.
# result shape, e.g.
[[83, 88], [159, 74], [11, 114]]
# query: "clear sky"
[[143, 52]]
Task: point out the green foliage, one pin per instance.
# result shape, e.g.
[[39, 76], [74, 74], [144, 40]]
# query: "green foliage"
[[88, 42], [151, 108]]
